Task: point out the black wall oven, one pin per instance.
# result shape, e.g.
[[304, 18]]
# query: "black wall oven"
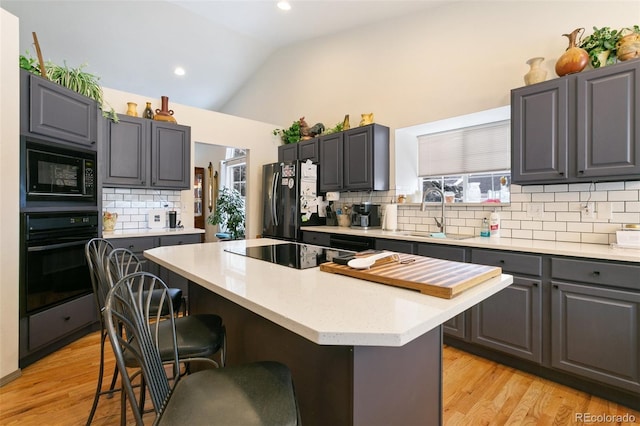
[[56, 175], [53, 266]]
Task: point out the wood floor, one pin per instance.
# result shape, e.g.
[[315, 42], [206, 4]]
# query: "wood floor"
[[58, 390]]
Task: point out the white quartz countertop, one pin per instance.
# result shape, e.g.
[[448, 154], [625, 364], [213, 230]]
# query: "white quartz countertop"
[[132, 233], [325, 308], [594, 251]]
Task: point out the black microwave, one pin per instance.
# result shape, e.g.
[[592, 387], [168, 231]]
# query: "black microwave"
[[56, 173]]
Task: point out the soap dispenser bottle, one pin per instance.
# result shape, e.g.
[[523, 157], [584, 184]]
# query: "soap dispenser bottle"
[[494, 224], [484, 230]]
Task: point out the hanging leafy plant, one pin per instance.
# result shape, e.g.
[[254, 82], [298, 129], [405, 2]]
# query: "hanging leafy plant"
[[229, 213], [75, 79]]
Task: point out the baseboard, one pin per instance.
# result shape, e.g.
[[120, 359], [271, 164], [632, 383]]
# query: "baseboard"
[[10, 377]]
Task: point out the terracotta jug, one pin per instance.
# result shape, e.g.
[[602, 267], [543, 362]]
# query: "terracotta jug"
[[574, 59], [164, 114]]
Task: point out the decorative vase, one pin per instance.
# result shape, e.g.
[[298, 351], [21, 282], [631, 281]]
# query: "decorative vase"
[[574, 59], [601, 59], [109, 221], [628, 47], [131, 109], [164, 114], [148, 112], [536, 74], [366, 119], [345, 123]]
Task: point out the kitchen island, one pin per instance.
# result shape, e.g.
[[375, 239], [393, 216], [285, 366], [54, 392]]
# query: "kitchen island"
[[360, 353]]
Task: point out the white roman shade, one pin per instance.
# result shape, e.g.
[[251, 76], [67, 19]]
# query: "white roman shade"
[[474, 149]]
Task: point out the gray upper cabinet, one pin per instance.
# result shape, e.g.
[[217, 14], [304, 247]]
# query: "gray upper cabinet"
[[581, 127], [303, 150], [146, 154], [355, 160], [53, 111], [287, 153]]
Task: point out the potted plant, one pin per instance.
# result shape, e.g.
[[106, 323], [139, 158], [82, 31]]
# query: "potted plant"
[[601, 46], [72, 78], [290, 135], [229, 213]]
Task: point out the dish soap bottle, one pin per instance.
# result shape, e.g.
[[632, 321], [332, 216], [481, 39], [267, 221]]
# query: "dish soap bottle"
[[494, 224], [484, 231]]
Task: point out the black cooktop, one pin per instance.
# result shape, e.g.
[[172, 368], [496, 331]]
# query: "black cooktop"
[[293, 255]]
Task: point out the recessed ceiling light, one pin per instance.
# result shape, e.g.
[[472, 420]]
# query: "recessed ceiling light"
[[284, 5], [179, 71]]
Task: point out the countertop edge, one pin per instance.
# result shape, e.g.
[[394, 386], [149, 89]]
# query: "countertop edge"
[[162, 232]]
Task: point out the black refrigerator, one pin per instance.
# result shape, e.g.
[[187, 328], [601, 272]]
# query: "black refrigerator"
[[290, 199]]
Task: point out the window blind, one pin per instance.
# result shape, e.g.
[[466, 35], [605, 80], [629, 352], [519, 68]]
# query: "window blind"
[[472, 149]]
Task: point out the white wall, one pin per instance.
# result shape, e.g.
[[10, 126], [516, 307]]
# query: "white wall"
[[9, 178]]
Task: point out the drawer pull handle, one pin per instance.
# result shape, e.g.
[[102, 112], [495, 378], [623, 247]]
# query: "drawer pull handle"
[[555, 286], [502, 261], [67, 318], [596, 273], [535, 284], [131, 247]]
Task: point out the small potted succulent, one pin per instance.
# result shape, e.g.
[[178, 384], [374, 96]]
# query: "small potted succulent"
[[601, 46]]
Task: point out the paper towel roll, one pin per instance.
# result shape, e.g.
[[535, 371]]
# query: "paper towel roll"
[[390, 217]]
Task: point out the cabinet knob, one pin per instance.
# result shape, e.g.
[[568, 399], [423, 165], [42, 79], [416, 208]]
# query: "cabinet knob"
[[581, 171], [67, 318], [131, 247], [535, 284], [555, 286], [596, 273], [561, 173], [502, 262]]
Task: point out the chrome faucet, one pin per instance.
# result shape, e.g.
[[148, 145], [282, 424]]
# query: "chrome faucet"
[[439, 223]]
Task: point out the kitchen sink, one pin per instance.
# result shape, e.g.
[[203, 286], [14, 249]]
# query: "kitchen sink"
[[430, 235]]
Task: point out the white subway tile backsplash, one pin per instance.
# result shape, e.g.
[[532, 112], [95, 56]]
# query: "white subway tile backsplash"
[[132, 205], [561, 218]]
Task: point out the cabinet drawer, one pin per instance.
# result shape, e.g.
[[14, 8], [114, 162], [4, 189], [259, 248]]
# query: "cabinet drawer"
[[176, 240], [394, 245], [316, 238], [438, 251], [54, 323], [528, 264], [613, 274], [136, 245]]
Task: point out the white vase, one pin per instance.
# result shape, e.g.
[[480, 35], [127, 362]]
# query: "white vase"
[[536, 74]]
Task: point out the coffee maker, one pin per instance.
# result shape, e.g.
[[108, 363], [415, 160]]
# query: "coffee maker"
[[366, 215]]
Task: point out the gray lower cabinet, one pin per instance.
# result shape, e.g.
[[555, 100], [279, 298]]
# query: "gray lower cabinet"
[[511, 320], [139, 244], [395, 245], [596, 321], [316, 238], [142, 153]]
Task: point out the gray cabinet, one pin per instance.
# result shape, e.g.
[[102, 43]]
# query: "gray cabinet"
[[395, 245], [596, 321], [49, 110], [511, 320], [287, 153], [355, 160], [144, 153], [303, 150], [581, 127], [316, 238]]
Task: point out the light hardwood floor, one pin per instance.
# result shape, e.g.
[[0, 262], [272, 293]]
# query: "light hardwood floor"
[[58, 390]]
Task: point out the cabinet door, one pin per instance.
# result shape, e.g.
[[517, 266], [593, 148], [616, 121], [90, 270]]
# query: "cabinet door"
[[287, 153], [596, 333], [456, 254], [125, 152], [308, 150], [330, 148], [61, 113], [395, 245], [170, 155], [358, 159], [511, 320], [540, 132], [608, 122]]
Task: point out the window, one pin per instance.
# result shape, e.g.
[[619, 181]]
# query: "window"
[[469, 164], [235, 170]]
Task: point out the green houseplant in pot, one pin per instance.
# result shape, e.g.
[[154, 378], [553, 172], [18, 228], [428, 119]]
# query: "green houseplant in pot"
[[229, 213], [75, 79], [290, 135], [601, 46]]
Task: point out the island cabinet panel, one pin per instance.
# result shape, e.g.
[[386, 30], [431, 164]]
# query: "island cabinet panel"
[[578, 128], [287, 153], [143, 153], [596, 321], [51, 110], [511, 320]]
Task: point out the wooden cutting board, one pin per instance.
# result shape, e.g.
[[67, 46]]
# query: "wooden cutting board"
[[435, 277]]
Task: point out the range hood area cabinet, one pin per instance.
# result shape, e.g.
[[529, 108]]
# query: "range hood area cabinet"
[[355, 160], [52, 112], [143, 153], [578, 128]]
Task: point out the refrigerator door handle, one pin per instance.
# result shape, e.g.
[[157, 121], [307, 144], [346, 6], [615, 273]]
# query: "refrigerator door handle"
[[274, 186]]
